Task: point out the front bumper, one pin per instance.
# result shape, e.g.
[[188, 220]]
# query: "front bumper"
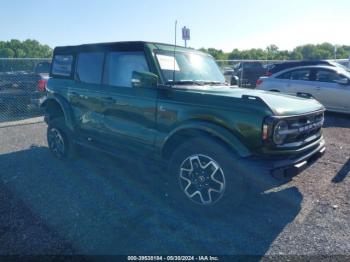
[[292, 165]]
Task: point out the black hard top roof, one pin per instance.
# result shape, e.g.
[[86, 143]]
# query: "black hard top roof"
[[115, 46]]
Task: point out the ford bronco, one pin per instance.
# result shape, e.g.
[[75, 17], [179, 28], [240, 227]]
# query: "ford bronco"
[[171, 104]]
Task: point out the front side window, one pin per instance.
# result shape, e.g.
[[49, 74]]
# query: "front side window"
[[302, 74], [120, 65], [188, 68], [323, 75], [89, 67], [62, 65]]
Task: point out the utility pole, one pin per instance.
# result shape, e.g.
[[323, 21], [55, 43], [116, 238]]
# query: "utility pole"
[[335, 52]]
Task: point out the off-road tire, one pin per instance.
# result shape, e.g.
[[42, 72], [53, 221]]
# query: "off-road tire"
[[206, 149]]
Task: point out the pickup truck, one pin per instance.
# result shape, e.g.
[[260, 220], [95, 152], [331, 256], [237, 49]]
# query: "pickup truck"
[[19, 89]]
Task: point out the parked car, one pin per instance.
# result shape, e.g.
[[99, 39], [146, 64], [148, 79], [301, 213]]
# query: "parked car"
[[248, 72], [170, 104], [328, 84], [19, 89], [275, 68]]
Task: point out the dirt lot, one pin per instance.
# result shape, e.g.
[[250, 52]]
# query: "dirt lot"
[[102, 205]]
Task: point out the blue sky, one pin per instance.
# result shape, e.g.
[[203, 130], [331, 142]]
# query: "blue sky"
[[224, 24]]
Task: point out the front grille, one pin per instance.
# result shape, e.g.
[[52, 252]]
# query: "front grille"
[[305, 127]]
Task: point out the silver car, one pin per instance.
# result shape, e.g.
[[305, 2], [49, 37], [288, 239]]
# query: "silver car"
[[329, 85]]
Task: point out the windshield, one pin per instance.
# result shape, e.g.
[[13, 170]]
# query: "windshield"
[[189, 68], [341, 66]]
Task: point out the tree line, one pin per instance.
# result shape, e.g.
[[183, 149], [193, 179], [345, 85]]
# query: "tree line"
[[24, 49], [272, 52], [33, 49]]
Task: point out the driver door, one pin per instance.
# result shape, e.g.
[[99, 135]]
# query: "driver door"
[[129, 121]]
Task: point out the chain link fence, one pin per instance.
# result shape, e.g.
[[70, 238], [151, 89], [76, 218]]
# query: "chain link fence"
[[22, 84]]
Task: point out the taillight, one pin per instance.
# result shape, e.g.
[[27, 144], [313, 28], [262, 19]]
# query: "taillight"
[[258, 82], [42, 85]]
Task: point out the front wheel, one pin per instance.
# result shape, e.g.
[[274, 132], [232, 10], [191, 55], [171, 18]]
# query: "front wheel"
[[204, 173]]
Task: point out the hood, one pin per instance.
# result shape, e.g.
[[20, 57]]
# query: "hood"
[[280, 104]]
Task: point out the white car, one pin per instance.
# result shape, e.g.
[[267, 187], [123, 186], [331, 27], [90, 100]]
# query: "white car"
[[329, 85]]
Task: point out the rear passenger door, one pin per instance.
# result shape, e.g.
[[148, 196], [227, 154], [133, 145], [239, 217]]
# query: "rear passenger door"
[[130, 112], [85, 95], [297, 81]]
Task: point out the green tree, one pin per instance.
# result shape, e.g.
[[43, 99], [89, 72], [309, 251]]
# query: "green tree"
[[296, 55], [218, 54], [272, 52], [28, 48], [7, 53]]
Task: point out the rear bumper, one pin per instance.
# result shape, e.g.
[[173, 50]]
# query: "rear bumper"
[[290, 166]]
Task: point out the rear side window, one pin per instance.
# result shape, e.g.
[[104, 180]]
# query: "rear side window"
[[120, 65], [62, 65], [89, 67], [327, 76], [302, 74]]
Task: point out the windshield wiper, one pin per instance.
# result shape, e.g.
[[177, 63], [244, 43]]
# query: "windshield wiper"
[[214, 83], [195, 82], [185, 82]]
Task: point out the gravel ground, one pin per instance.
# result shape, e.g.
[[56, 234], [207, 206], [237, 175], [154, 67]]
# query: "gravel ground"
[[102, 205]]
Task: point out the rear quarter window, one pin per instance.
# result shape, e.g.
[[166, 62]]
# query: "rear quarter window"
[[62, 65]]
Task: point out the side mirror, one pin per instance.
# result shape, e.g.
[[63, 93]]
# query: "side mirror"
[[144, 79], [343, 81]]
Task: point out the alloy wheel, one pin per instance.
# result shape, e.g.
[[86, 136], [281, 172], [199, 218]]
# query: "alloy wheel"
[[202, 179], [56, 142]]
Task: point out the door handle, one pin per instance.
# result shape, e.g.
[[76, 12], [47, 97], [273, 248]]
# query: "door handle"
[[318, 88]]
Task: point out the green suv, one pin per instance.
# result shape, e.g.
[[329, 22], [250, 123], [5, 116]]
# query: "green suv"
[[171, 104]]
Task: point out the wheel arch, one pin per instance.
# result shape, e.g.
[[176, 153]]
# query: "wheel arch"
[[194, 129], [55, 107]]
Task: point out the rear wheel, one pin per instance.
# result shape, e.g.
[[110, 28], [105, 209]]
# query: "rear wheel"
[[204, 175], [60, 140]]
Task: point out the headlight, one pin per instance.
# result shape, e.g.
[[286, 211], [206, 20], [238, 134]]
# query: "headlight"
[[280, 134]]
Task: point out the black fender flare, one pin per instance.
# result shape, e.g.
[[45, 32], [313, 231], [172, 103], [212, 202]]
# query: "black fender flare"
[[212, 129], [64, 105]]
